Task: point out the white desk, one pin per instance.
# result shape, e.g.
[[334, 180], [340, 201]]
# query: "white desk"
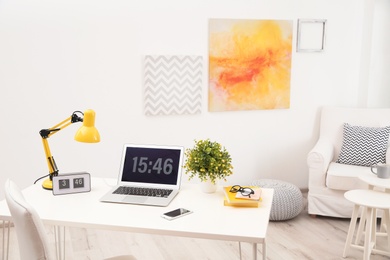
[[210, 220]]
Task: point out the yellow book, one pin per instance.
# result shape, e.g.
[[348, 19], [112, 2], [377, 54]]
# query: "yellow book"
[[247, 204], [232, 200]]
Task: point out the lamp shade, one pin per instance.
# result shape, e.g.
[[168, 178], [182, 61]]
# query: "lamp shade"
[[88, 132]]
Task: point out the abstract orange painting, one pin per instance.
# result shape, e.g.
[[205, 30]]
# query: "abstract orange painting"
[[249, 64]]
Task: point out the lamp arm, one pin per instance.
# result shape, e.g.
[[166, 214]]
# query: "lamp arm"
[[51, 163], [46, 133]]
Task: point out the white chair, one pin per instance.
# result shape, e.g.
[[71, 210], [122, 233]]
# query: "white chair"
[[31, 233], [329, 180]]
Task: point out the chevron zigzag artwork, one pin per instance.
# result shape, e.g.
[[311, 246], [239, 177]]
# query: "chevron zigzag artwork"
[[173, 85]]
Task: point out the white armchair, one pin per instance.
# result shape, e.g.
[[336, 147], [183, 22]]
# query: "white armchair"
[[328, 179]]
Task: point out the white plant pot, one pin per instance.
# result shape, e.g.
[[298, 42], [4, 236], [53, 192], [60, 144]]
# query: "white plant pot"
[[208, 186]]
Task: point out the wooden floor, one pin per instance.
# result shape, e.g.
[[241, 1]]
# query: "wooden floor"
[[303, 237]]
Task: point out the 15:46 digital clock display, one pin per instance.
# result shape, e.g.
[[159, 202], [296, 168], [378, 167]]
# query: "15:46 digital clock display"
[[159, 166], [151, 165]]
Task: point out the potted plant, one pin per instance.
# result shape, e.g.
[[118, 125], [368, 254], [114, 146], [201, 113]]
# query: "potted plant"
[[209, 161]]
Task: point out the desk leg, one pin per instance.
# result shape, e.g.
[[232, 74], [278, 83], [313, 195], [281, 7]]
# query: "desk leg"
[[254, 249], [6, 233], [264, 250], [59, 236], [239, 249]]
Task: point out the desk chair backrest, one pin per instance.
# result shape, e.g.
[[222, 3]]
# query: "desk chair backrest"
[[31, 232]]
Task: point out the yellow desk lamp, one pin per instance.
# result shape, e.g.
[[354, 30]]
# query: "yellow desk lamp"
[[87, 134]]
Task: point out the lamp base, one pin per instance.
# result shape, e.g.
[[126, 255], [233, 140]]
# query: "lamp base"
[[47, 184]]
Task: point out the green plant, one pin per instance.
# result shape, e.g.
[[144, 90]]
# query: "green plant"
[[209, 161]]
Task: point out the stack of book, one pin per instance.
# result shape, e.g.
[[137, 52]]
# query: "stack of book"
[[239, 200]]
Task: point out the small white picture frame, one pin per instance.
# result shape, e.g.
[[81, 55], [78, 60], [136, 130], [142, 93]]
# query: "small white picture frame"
[[311, 35]]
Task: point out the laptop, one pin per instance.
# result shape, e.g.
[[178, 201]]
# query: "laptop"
[[149, 175]]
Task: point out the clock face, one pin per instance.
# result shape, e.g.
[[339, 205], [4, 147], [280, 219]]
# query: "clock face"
[[71, 183], [78, 182], [63, 184], [151, 165]]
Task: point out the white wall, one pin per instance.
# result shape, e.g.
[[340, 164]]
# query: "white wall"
[[58, 56], [379, 92]]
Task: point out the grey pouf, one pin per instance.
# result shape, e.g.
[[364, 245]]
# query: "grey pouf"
[[287, 202]]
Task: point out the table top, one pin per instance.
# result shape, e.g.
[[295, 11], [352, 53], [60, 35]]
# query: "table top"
[[210, 218], [369, 198], [373, 180]]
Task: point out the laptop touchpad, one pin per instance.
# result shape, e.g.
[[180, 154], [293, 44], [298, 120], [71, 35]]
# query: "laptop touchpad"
[[130, 199]]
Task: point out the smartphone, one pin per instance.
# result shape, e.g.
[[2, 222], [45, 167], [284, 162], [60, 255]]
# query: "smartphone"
[[177, 213]]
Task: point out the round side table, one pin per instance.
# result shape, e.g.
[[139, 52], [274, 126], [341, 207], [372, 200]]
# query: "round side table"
[[370, 201], [373, 181]]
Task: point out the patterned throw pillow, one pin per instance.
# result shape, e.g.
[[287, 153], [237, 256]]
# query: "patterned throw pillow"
[[364, 146]]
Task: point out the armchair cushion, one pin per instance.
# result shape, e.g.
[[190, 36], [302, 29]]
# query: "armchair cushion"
[[364, 146], [346, 177]]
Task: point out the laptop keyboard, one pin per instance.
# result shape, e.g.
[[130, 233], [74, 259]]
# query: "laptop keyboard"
[[149, 192]]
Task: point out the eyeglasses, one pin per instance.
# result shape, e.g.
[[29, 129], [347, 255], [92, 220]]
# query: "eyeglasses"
[[245, 191]]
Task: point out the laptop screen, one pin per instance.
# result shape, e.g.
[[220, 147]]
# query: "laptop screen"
[[152, 164]]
